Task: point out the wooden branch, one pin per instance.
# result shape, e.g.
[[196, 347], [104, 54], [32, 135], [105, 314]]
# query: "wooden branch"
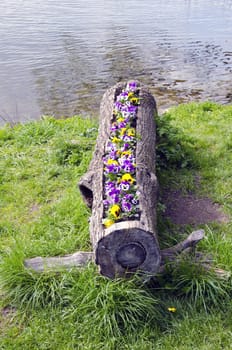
[[190, 242], [81, 259], [77, 259], [134, 253]]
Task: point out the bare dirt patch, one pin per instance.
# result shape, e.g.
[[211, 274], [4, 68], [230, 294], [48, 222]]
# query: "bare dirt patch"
[[183, 209], [7, 314]]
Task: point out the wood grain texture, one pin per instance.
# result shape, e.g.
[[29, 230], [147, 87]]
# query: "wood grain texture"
[[77, 259]]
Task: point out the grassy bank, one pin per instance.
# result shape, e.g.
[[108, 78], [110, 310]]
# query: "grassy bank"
[[42, 214]]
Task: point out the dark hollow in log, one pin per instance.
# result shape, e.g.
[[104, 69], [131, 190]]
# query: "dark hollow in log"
[[131, 245]]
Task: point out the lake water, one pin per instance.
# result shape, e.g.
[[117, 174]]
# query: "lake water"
[[58, 57]]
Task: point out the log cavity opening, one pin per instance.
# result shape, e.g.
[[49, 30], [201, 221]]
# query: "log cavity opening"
[[131, 255], [87, 193]]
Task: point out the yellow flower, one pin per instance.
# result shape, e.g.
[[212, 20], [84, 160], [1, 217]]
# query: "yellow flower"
[[130, 94], [120, 120], [172, 309], [123, 131], [128, 177], [126, 153], [108, 222], [115, 210], [131, 132], [135, 100], [115, 140], [112, 161]]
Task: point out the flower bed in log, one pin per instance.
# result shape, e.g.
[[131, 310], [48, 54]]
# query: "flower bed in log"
[[120, 196]]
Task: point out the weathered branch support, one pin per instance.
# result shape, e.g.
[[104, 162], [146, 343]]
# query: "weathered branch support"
[[127, 246]]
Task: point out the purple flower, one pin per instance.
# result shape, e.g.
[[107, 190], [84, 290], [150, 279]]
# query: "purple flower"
[[132, 109], [122, 125], [125, 108], [110, 147], [114, 127], [127, 160], [132, 86], [113, 195], [126, 206], [109, 185], [114, 199], [123, 96], [124, 186], [125, 147], [112, 168], [128, 197], [134, 201], [127, 138], [128, 167], [106, 203], [118, 105], [113, 155], [113, 192]]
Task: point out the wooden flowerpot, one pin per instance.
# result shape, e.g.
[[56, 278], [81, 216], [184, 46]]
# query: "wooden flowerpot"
[[128, 245]]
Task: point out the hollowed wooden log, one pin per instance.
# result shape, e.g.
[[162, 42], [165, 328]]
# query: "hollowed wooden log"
[[132, 245]]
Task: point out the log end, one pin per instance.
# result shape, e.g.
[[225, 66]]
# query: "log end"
[[125, 251]]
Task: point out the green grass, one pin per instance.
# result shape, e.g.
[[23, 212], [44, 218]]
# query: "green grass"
[[42, 214]]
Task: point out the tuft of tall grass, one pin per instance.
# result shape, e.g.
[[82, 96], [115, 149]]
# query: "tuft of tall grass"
[[26, 289], [111, 308], [199, 284]]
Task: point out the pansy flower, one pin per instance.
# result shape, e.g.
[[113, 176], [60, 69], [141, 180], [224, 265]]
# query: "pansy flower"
[[126, 206], [106, 203], [127, 138], [112, 168], [125, 147], [132, 86], [128, 177], [109, 185], [110, 147], [108, 222], [131, 132], [115, 210], [124, 185], [128, 166]]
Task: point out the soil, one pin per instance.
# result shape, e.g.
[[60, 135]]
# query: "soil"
[[184, 209]]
